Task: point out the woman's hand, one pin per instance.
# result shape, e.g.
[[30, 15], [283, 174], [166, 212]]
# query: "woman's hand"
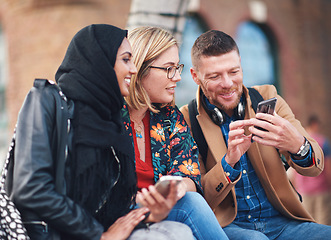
[[124, 226], [158, 205], [182, 188], [186, 185]]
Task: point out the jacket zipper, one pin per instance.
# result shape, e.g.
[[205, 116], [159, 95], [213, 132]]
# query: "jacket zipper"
[[105, 196], [38, 223]]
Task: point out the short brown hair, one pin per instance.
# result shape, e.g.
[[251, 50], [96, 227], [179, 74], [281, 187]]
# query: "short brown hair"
[[212, 43]]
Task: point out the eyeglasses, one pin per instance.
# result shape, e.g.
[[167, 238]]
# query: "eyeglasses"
[[171, 71]]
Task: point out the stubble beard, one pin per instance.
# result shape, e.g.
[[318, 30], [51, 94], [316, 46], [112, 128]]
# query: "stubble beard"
[[220, 105]]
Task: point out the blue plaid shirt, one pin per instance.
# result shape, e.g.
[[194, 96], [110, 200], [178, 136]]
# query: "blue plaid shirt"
[[253, 204]]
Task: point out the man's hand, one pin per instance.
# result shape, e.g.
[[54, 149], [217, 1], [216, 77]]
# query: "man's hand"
[[280, 133], [123, 226], [238, 142], [158, 205]]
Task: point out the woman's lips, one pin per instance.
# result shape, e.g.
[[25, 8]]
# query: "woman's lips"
[[171, 89], [127, 80]]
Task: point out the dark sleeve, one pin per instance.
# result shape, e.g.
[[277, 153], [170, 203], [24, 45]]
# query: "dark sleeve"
[[33, 177], [306, 162]]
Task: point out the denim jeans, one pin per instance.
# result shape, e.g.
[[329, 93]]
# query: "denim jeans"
[[194, 211], [280, 228]]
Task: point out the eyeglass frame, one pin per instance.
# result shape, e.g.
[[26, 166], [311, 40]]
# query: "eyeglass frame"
[[179, 68]]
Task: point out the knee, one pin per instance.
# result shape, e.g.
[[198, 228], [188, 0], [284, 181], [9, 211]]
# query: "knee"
[[194, 198], [193, 202]]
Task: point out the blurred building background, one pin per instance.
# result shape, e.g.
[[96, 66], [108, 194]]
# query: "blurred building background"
[[283, 42]]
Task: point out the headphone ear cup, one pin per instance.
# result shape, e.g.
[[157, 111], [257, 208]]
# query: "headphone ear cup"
[[217, 116], [240, 111]]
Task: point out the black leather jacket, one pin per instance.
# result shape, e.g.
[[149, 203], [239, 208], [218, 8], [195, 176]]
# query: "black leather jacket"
[[35, 182]]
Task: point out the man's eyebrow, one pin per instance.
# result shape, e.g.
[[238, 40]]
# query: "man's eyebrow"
[[218, 73], [234, 67]]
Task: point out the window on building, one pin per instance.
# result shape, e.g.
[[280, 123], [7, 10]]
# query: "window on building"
[[186, 88], [258, 54]]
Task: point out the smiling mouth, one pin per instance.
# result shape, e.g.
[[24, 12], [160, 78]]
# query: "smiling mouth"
[[127, 80], [227, 95], [171, 88]]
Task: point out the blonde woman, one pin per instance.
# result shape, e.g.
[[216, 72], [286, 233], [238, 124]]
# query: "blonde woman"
[[162, 141]]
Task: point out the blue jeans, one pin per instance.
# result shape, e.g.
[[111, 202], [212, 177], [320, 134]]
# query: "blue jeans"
[[278, 228], [194, 211]]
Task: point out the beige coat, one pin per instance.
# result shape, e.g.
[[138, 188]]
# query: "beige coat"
[[220, 193]]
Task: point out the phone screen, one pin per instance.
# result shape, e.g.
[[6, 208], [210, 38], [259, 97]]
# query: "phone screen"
[[162, 186], [266, 106]]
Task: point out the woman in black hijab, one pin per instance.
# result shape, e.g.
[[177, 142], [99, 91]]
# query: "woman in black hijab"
[[97, 196], [87, 76]]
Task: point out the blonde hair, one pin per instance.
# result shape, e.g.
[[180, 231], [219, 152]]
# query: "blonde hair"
[[148, 43]]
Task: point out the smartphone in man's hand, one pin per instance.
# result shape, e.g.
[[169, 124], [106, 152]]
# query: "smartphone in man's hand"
[[163, 185], [266, 106]]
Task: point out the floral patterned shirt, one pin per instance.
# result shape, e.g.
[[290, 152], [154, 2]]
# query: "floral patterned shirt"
[[174, 151]]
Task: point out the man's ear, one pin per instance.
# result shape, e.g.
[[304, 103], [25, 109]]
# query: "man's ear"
[[194, 75]]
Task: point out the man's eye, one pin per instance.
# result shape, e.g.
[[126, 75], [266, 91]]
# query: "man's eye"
[[213, 77]]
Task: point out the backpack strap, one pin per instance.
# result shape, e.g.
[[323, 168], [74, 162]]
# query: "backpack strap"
[[196, 130], [198, 136], [255, 96]]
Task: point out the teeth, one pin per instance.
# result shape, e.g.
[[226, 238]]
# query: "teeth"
[[127, 80], [227, 94]]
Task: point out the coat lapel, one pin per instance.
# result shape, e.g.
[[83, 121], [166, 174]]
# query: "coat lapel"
[[213, 135], [254, 153]]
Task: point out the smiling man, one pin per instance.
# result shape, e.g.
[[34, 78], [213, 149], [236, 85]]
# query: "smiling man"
[[243, 176]]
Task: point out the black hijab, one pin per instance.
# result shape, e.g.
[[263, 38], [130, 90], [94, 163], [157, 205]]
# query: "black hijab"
[[87, 76]]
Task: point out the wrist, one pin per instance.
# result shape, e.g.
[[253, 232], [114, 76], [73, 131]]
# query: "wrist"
[[303, 150], [147, 217], [299, 145], [231, 172], [150, 219], [231, 163], [104, 236]]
